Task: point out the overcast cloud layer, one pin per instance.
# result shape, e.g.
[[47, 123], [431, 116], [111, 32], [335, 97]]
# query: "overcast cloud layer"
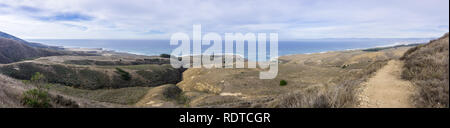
[[158, 19]]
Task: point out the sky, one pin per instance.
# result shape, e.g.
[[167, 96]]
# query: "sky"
[[159, 19]]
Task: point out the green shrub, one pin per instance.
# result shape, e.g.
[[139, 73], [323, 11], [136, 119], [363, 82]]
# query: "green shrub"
[[37, 78], [283, 83], [36, 98], [161, 76], [123, 74], [39, 97], [182, 99]]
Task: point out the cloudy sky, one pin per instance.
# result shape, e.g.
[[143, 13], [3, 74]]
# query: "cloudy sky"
[[158, 19]]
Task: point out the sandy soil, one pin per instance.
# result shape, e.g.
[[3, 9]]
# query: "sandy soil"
[[386, 89]]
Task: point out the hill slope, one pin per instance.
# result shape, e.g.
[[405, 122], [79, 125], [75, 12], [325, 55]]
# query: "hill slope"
[[13, 51], [11, 93], [8, 36], [427, 66], [36, 45]]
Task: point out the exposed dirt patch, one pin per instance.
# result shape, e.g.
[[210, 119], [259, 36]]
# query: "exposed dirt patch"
[[386, 89]]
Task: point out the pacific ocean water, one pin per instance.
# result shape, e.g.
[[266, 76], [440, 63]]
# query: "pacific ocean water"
[[157, 47]]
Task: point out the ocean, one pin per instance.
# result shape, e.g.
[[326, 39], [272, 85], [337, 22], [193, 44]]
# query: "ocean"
[[157, 47]]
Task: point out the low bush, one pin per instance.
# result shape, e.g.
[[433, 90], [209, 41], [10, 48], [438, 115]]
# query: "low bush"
[[283, 83], [427, 67], [161, 76], [123, 74], [36, 98], [39, 97]]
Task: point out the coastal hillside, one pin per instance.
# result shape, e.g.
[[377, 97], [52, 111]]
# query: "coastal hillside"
[[96, 77], [320, 80], [31, 44], [427, 66], [8, 36], [11, 94], [85, 74], [13, 51]]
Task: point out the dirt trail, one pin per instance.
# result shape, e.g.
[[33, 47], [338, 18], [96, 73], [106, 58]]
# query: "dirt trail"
[[386, 89]]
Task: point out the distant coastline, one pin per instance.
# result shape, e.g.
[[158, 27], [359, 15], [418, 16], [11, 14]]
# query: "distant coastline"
[[157, 47]]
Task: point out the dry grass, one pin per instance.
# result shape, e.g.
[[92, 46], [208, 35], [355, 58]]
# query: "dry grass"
[[342, 95], [11, 91], [124, 96], [427, 66], [314, 80]]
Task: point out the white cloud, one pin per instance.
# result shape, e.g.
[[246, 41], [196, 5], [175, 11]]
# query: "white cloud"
[[292, 19]]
